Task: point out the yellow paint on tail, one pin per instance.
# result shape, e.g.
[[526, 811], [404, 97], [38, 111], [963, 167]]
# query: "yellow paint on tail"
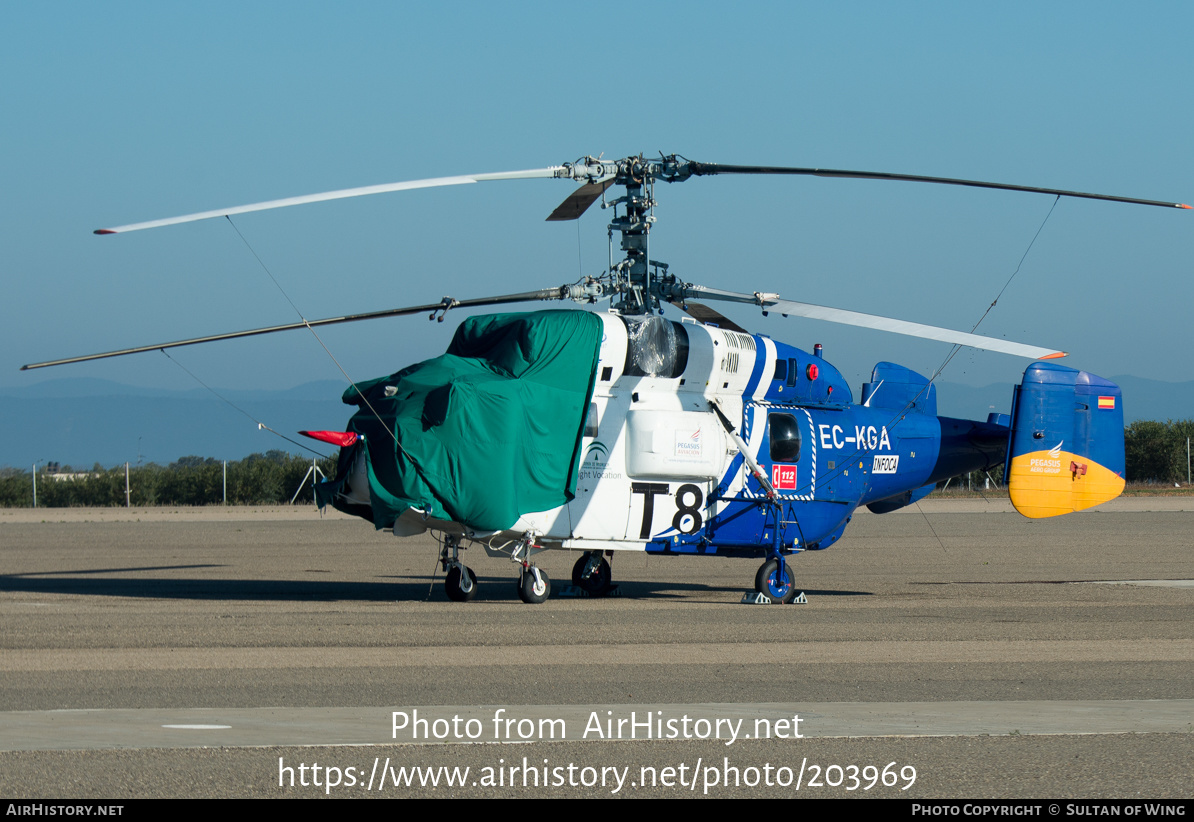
[[1051, 483]]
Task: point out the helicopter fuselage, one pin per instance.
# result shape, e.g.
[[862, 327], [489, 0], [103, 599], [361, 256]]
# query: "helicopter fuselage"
[[662, 472]]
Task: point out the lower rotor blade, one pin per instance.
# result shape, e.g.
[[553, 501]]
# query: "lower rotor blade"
[[709, 316], [838, 315], [341, 194], [445, 304]]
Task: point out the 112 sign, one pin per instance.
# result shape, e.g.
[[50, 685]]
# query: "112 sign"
[[783, 477]]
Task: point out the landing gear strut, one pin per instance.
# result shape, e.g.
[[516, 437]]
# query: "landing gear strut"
[[592, 574], [534, 585], [775, 581], [460, 583]]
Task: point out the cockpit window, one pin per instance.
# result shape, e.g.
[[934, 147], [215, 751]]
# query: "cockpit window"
[[781, 370], [784, 437]]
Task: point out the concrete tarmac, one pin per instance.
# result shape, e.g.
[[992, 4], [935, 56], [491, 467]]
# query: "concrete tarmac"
[[953, 649]]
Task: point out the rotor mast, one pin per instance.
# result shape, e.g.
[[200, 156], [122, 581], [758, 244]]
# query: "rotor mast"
[[633, 276], [636, 284]]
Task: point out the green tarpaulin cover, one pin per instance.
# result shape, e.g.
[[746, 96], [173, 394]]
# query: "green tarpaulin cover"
[[489, 431]]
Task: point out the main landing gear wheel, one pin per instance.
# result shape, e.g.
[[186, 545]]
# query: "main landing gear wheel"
[[767, 582], [460, 584], [599, 578], [534, 586]]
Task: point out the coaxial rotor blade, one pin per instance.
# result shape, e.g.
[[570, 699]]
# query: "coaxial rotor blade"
[[702, 169], [771, 302], [709, 316], [579, 201], [341, 194], [560, 293]]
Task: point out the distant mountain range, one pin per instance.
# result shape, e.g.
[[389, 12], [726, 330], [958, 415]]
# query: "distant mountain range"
[[80, 422], [85, 421]]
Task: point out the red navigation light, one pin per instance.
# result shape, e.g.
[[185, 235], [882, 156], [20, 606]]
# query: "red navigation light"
[[811, 371]]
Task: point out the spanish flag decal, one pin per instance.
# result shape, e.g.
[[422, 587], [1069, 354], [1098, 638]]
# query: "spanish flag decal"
[[1107, 402]]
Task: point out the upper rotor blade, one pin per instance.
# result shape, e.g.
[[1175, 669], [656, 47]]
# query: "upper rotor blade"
[[560, 293], [579, 201], [839, 315], [701, 169], [709, 316], [341, 194]]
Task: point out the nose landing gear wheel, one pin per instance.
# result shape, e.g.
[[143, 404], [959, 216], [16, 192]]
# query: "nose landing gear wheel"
[[599, 579], [767, 582], [534, 586], [460, 584]]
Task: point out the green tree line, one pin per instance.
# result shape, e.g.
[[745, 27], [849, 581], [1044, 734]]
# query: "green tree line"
[[258, 479], [1156, 451]]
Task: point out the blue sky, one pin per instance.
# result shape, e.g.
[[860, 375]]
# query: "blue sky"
[[121, 112]]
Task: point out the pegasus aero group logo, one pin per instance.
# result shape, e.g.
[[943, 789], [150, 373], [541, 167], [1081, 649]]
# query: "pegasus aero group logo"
[[1051, 464]]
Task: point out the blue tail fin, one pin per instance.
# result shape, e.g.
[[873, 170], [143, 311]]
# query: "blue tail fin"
[[1066, 450]]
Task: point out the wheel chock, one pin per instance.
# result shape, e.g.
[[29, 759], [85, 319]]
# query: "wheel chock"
[[759, 598]]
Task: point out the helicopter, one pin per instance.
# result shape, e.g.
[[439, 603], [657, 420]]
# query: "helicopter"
[[619, 430]]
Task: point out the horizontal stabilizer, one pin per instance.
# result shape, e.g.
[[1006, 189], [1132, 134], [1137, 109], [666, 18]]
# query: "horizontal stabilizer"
[[1067, 444]]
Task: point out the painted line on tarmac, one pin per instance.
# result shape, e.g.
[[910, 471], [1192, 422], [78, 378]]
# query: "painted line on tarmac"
[[995, 651], [1154, 583]]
